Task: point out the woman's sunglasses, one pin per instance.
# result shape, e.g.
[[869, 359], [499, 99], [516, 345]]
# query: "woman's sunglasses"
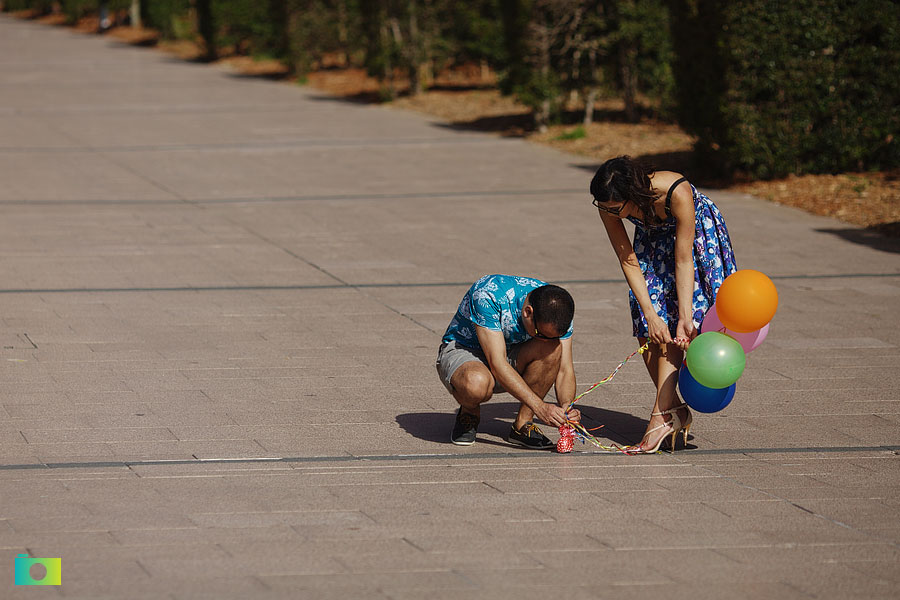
[[613, 210]]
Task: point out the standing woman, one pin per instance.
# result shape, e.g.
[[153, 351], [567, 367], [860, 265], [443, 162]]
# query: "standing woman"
[[680, 256]]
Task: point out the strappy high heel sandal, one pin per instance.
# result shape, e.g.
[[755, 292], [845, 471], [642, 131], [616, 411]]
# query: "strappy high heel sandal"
[[674, 425]]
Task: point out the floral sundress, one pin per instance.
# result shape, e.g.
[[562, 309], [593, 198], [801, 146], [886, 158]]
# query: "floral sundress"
[[655, 250]]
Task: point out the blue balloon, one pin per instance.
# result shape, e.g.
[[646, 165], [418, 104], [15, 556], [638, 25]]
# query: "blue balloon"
[[701, 398]]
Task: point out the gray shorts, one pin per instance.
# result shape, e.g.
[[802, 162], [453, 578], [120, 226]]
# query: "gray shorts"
[[451, 356]]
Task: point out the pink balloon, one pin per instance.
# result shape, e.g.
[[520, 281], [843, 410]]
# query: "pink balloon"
[[749, 341]]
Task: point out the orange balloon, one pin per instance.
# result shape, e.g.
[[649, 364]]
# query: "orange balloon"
[[746, 301]]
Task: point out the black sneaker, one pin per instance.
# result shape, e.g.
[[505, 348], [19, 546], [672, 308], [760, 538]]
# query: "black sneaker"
[[465, 429], [529, 436]]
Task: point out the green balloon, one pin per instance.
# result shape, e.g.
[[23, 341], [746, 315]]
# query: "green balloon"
[[715, 360]]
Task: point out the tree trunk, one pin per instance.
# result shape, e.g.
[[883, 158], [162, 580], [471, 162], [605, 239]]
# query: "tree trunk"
[[414, 53], [388, 73], [628, 75], [589, 100], [343, 32], [542, 116], [485, 71], [207, 27], [134, 14]]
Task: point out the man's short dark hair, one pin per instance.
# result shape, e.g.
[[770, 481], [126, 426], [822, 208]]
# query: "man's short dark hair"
[[554, 306]]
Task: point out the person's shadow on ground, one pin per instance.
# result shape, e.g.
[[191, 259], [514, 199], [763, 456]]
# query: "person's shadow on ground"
[[497, 417]]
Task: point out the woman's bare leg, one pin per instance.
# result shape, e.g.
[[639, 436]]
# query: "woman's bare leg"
[[663, 362]]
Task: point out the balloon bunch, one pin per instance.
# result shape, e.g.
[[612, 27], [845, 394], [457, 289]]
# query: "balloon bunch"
[[733, 327]]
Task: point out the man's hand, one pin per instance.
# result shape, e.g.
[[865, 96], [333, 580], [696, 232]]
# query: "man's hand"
[[574, 415], [552, 414]]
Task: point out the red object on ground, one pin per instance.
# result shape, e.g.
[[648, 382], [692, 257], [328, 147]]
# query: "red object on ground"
[[566, 439], [565, 444]]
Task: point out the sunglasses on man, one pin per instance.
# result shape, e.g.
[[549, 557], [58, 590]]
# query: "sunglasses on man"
[[537, 333]]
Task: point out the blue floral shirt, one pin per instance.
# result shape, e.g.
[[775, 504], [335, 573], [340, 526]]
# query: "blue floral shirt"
[[494, 302]]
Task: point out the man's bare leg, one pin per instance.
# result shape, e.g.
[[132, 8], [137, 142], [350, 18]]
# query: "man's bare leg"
[[538, 363]]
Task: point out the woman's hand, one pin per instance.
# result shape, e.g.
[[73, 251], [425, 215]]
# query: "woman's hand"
[[658, 330], [684, 333]]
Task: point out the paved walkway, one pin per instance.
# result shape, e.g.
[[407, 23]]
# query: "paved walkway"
[[220, 304]]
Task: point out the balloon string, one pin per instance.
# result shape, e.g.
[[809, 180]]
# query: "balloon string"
[[609, 377], [585, 434]]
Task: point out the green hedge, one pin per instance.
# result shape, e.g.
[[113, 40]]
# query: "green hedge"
[[808, 86]]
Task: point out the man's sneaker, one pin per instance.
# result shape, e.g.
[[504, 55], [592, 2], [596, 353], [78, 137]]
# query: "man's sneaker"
[[465, 429], [529, 436]]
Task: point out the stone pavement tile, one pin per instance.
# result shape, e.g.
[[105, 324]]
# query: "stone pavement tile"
[[71, 451], [882, 463], [335, 518], [771, 478], [31, 416], [57, 505], [505, 535], [886, 532], [880, 490], [162, 536], [23, 134], [87, 177], [214, 561], [18, 403], [762, 508], [81, 577], [882, 568], [611, 533], [447, 517], [708, 488], [374, 531], [793, 532], [199, 470], [699, 590], [592, 571], [226, 496], [412, 475], [616, 512], [484, 592], [89, 435], [55, 541], [805, 568], [200, 449], [382, 584], [99, 522], [327, 588], [458, 561], [185, 585], [324, 546], [10, 435], [859, 513], [785, 436], [617, 567], [651, 538], [617, 467]]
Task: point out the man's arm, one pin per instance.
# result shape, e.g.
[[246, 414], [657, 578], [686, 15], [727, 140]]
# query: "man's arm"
[[565, 379], [494, 347]]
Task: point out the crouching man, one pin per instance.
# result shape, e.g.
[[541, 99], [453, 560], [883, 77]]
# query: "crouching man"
[[510, 334]]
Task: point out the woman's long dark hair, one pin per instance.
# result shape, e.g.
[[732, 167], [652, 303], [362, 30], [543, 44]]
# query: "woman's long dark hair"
[[623, 179]]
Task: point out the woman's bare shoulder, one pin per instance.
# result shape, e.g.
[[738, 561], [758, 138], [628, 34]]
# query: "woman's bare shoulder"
[[662, 180]]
